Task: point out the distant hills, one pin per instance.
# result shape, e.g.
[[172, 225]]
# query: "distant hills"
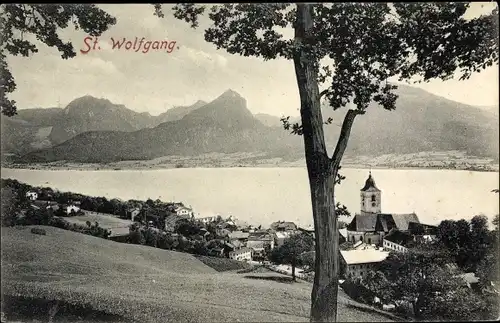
[[96, 130]]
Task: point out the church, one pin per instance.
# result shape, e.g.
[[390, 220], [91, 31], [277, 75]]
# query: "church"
[[371, 225]]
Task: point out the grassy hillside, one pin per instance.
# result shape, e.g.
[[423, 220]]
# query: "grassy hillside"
[[144, 284]]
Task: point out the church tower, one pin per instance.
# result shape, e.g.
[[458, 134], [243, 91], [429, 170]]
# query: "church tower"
[[370, 197]]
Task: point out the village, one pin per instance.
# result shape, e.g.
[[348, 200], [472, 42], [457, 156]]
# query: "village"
[[365, 242]]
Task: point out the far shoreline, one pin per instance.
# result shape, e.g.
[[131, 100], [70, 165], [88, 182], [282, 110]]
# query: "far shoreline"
[[103, 167]]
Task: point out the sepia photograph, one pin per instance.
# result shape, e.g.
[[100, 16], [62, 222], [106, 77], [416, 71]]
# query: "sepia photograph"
[[250, 162]]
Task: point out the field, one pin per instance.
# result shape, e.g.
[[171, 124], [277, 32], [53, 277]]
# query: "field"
[[116, 225], [106, 221], [124, 283]]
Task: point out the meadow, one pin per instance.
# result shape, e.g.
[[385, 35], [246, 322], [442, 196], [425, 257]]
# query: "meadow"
[[111, 281]]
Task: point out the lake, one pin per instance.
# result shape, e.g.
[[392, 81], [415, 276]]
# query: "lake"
[[265, 195]]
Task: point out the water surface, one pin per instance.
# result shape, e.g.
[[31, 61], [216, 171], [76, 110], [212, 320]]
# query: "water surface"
[[265, 195]]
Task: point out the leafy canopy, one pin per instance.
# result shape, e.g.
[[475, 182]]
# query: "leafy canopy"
[[42, 21], [357, 47]]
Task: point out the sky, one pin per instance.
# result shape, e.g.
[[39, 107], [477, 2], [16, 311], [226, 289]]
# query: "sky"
[[194, 70]]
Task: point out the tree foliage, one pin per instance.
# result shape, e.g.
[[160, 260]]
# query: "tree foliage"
[[420, 278], [21, 23], [468, 242], [291, 250]]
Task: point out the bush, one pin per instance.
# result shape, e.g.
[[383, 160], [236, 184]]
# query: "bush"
[[38, 231]]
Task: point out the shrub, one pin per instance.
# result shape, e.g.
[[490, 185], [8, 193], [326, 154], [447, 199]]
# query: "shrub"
[[38, 231]]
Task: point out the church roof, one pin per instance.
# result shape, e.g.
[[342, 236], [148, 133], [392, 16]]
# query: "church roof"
[[363, 222], [403, 220], [381, 222], [370, 184]]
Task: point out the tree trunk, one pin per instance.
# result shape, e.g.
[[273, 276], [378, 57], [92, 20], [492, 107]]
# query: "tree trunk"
[[293, 269], [321, 177], [322, 171]]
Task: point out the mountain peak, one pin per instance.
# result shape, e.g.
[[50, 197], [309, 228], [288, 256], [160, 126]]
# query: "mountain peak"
[[230, 93]]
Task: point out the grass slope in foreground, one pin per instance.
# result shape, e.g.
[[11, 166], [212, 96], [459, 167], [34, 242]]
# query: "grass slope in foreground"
[[143, 284]]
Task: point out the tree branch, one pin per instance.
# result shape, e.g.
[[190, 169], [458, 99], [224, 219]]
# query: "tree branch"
[[344, 137], [322, 93]]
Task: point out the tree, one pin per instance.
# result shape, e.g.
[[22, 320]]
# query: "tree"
[[291, 249], [467, 241], [420, 278], [378, 285], [42, 21], [307, 259], [351, 50]]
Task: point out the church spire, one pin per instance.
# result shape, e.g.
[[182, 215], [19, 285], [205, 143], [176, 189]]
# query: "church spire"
[[370, 184]]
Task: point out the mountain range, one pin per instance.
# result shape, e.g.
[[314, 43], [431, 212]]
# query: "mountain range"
[[96, 130]]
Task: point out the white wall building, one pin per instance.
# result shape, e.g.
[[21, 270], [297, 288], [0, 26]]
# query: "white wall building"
[[32, 195], [359, 262], [184, 211], [243, 254], [73, 208], [392, 246]]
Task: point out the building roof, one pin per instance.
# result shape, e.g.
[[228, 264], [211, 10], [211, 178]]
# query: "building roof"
[[367, 222], [236, 243], [282, 235], [256, 244], [363, 222], [370, 185], [469, 278], [403, 220], [401, 238], [343, 232], [181, 207], [260, 236], [119, 232], [238, 235], [421, 228], [365, 256], [283, 225]]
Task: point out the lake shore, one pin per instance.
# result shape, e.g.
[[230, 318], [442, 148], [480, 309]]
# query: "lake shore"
[[141, 167], [445, 160]]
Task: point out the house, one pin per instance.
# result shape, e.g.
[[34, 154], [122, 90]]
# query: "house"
[[133, 212], [54, 206], [120, 234], [183, 211], [72, 208], [32, 195], [237, 243], [208, 219], [239, 235], [283, 226], [216, 252], [470, 280], [371, 225], [399, 241], [422, 232], [243, 254], [264, 237], [358, 263], [421, 229], [222, 232], [279, 238], [342, 235], [258, 248]]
